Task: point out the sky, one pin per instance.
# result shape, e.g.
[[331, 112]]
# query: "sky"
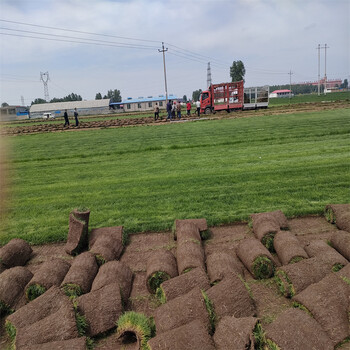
[[91, 46]]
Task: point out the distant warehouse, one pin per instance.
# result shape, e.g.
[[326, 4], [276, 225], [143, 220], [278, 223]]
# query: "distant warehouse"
[[281, 93], [83, 107]]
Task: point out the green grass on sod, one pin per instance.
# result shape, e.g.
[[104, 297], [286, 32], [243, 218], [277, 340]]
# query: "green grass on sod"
[[146, 177]]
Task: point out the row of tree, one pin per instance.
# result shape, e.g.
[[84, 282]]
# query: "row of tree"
[[70, 97]]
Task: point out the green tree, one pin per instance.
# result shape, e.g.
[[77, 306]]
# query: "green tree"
[[38, 101], [345, 84], [114, 95], [196, 95], [98, 96], [184, 98], [4, 104], [70, 97], [237, 71]]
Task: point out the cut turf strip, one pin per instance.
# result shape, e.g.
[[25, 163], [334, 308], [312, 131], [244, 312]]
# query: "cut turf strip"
[[339, 214], [133, 327], [15, 253], [181, 310], [77, 238], [183, 284], [187, 231], [322, 250], [341, 242], [293, 278], [231, 298], [189, 255], [256, 258], [294, 329], [70, 344], [193, 335], [201, 224], [117, 232], [107, 248], [81, 274], [328, 302], [114, 272], [101, 308], [288, 248], [160, 267], [12, 284], [221, 264], [235, 333], [51, 273]]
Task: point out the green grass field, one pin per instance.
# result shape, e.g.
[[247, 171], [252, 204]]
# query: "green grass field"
[[145, 177]]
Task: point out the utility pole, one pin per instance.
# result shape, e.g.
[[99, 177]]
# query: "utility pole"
[[290, 84], [319, 77], [325, 67], [163, 50], [208, 75], [44, 77], [22, 100]]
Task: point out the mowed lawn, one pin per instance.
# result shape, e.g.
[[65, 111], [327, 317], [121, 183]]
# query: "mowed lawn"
[[146, 177]]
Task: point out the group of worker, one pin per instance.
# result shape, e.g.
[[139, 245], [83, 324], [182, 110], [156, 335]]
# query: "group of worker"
[[66, 120], [173, 109]]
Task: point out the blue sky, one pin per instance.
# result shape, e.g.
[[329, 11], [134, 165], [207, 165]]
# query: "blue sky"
[[271, 37]]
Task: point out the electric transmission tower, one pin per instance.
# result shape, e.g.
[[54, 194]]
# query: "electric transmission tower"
[[208, 75], [44, 77]]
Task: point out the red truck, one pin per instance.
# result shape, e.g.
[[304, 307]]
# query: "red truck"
[[233, 96]]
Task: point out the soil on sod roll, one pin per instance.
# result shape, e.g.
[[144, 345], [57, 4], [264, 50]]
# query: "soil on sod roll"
[[114, 272], [187, 231], [15, 253], [81, 274], [256, 258], [193, 335], [294, 278], [181, 310], [70, 344], [328, 302], [77, 235], [341, 242], [116, 232], [339, 214], [201, 224], [221, 264], [101, 308], [106, 248], [235, 333], [46, 304], [184, 283], [295, 329], [230, 297], [12, 284], [322, 250], [189, 255], [51, 273], [160, 267], [288, 248]]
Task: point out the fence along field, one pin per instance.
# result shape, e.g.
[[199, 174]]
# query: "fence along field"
[[145, 177]]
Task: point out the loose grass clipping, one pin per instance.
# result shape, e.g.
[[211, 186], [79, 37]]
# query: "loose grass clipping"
[[135, 327], [288, 248], [15, 253], [294, 329], [81, 274], [12, 284], [341, 242], [51, 273], [161, 266], [77, 239], [339, 214], [256, 258], [193, 335], [183, 284]]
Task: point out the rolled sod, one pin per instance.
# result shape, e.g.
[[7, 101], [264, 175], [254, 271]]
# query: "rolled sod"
[[295, 329], [341, 242], [60, 325], [339, 214], [230, 297], [181, 310], [15, 253], [183, 284], [187, 231], [46, 304], [293, 278], [189, 255], [235, 333], [101, 308], [70, 344], [106, 248], [77, 238], [328, 302], [12, 284], [114, 272], [322, 250], [133, 327], [201, 224], [288, 248], [256, 258], [221, 264], [117, 232], [81, 274], [193, 335], [160, 267], [51, 273]]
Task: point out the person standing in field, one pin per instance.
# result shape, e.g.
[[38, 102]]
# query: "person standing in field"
[[156, 111], [188, 107], [65, 116], [178, 109], [168, 109], [76, 117], [198, 105], [173, 109]]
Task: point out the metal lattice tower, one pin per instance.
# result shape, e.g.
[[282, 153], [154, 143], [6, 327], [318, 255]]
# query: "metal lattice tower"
[[44, 77], [208, 75]]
